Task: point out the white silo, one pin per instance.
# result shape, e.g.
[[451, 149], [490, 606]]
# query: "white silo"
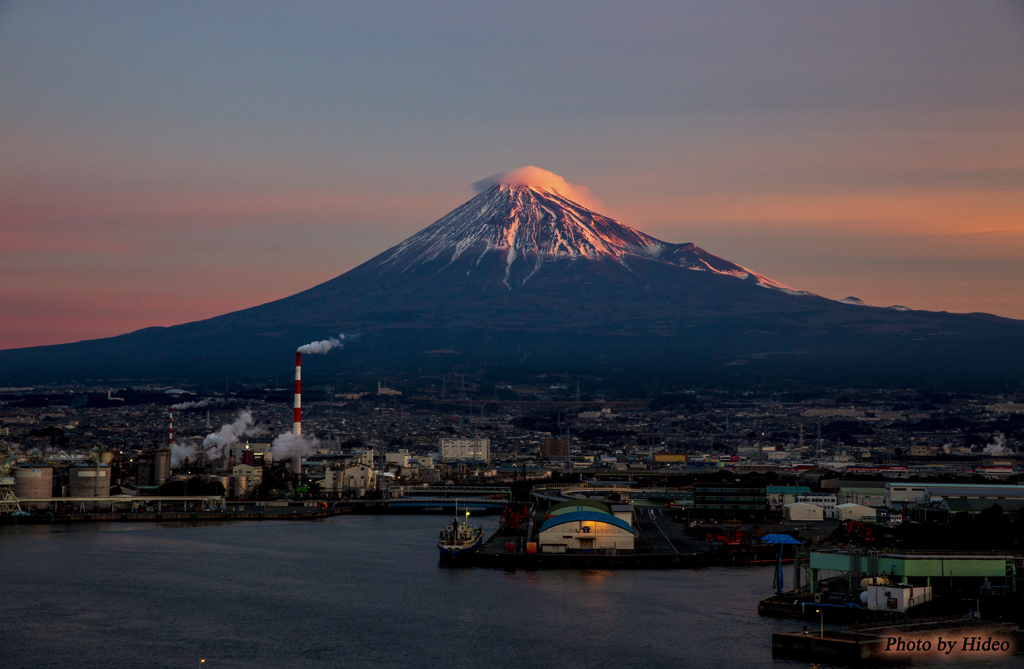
[[33, 483]]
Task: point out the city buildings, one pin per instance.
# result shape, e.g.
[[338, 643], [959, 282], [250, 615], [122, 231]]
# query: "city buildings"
[[458, 449]]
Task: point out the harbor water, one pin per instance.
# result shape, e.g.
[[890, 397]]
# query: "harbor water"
[[354, 591]]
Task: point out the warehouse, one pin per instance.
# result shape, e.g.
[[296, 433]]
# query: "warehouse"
[[856, 512], [803, 511], [583, 532]]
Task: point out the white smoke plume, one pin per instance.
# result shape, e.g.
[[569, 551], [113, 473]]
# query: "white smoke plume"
[[214, 444], [256, 430], [289, 444], [228, 434], [182, 452], [204, 404], [541, 179], [323, 346], [998, 446]]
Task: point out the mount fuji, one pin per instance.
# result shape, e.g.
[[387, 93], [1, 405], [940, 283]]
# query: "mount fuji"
[[524, 278], [522, 228]]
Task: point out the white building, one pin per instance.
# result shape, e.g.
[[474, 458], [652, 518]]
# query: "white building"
[[895, 597], [399, 459], [585, 531], [855, 512], [623, 512], [803, 511], [826, 501], [356, 476], [253, 474], [365, 457], [900, 496], [454, 449]]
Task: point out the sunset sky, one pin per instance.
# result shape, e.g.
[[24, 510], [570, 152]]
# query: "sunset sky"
[[168, 162]]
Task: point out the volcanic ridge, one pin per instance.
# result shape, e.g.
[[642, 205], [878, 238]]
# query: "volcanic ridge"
[[527, 226], [525, 278]]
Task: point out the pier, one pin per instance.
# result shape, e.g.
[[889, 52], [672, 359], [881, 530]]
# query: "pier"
[[661, 544], [957, 638]]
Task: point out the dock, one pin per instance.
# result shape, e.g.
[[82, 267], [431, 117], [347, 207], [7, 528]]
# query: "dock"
[[900, 644], [662, 544]]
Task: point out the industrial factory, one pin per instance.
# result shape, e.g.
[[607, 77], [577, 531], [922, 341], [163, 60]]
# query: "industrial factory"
[[200, 469], [875, 458]]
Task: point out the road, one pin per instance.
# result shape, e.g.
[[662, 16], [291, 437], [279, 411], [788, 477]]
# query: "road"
[[662, 535]]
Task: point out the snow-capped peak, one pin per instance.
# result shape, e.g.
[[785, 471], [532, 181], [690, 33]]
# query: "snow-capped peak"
[[523, 220]]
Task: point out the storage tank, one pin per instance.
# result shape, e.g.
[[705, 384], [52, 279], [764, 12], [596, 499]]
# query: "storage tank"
[[225, 481], [89, 481], [239, 486], [161, 466], [33, 483]]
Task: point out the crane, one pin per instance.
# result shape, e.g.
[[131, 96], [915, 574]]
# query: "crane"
[[8, 502]]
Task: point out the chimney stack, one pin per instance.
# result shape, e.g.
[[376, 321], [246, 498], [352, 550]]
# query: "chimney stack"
[[170, 430], [297, 417]]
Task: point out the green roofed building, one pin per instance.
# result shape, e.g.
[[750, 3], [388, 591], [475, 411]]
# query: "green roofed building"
[[578, 505], [780, 495], [947, 571]]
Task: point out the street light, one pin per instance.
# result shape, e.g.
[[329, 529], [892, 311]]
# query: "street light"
[[201, 663], [822, 612]]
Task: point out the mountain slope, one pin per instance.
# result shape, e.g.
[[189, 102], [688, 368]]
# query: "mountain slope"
[[527, 227], [523, 279]]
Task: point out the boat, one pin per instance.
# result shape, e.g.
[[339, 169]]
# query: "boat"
[[459, 539]]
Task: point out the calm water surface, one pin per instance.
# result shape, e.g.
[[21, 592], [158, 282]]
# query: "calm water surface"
[[354, 591]]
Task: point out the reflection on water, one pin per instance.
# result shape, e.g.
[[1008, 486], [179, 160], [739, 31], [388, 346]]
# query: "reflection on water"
[[353, 591]]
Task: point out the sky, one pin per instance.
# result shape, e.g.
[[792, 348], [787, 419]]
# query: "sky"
[[168, 162]]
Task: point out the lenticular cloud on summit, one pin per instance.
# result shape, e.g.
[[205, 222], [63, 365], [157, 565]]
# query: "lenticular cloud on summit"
[[541, 179]]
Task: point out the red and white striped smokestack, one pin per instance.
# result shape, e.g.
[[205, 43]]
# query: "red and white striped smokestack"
[[297, 417], [170, 428]]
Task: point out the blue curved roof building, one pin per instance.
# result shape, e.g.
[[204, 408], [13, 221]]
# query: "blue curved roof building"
[[593, 516]]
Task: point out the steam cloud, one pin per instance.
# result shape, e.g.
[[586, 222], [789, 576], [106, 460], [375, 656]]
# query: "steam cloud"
[[289, 444], [539, 178], [998, 446], [323, 346], [214, 444], [182, 452], [213, 402]]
